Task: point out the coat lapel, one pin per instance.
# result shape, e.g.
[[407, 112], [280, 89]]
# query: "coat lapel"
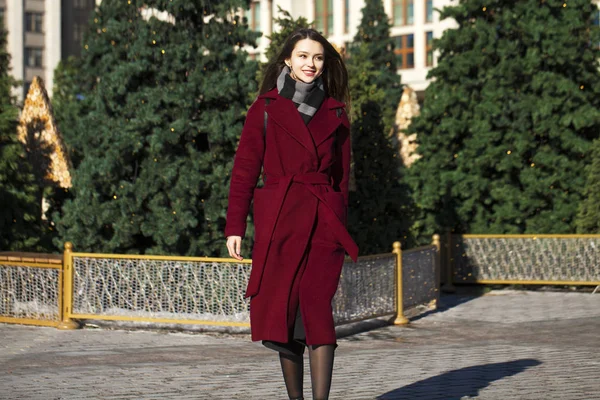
[[284, 113], [326, 121]]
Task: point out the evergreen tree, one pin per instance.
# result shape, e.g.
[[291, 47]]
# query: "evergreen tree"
[[508, 119], [69, 107], [164, 101], [20, 212], [70, 82], [374, 32], [380, 207], [588, 219], [287, 25]]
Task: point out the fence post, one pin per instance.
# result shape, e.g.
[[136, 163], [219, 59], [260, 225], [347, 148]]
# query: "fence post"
[[438, 254], [400, 318], [448, 285], [67, 289]]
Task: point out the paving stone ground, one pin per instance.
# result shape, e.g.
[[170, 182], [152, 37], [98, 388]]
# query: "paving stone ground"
[[503, 345]]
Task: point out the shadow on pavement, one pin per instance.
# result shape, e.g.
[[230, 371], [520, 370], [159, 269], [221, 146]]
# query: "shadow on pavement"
[[461, 295], [447, 301], [348, 330], [460, 383]]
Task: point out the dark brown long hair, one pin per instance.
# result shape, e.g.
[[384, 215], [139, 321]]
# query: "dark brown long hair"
[[335, 75]]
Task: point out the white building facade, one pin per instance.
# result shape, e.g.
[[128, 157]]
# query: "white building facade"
[[40, 34], [414, 23]]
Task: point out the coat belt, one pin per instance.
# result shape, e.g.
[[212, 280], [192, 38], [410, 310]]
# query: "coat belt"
[[309, 180]]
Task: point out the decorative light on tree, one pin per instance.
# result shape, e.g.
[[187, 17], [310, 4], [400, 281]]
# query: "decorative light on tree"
[[149, 12], [407, 109], [37, 130]]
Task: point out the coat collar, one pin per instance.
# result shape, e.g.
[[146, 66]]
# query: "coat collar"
[[330, 102], [321, 126]]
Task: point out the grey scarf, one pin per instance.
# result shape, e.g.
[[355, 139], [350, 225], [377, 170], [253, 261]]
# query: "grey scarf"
[[307, 97]]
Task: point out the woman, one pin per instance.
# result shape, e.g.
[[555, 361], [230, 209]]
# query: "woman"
[[298, 133]]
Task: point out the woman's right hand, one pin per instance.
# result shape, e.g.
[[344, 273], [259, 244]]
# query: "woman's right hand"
[[234, 245]]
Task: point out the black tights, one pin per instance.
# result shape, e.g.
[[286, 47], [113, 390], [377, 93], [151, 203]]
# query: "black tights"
[[321, 370]]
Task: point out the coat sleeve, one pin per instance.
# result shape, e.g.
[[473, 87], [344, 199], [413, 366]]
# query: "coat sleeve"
[[247, 165], [341, 167]]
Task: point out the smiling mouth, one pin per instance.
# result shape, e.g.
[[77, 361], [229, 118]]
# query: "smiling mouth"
[[309, 72]]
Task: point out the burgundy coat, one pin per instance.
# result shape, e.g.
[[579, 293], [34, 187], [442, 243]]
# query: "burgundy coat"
[[299, 214]]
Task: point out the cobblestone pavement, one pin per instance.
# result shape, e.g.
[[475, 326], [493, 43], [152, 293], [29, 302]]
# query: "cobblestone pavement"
[[503, 345]]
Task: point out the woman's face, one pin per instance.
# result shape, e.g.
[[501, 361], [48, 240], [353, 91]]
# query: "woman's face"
[[307, 60]]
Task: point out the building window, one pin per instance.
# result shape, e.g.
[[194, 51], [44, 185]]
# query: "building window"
[[33, 57], [428, 10], [82, 4], [346, 16], [324, 16], [78, 30], [404, 12], [253, 16], [34, 22], [405, 51], [428, 49]]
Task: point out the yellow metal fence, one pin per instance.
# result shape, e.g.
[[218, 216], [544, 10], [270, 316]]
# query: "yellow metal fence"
[[367, 289], [31, 288], [62, 290], [421, 277], [524, 259], [161, 289]]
